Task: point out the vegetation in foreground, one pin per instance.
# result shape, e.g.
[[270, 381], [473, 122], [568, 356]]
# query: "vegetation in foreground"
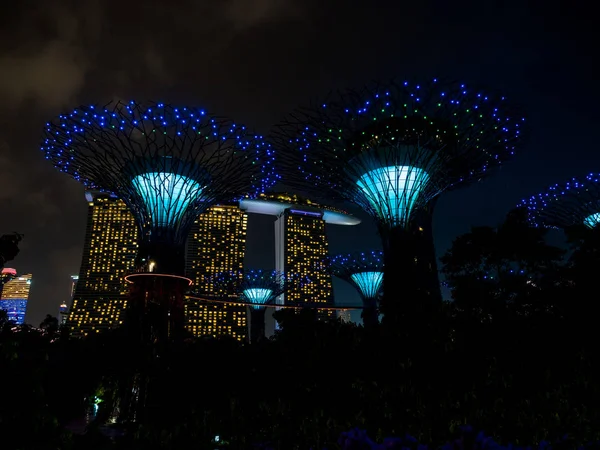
[[514, 354]]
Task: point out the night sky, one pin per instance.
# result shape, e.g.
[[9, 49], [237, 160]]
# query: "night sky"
[[257, 60]]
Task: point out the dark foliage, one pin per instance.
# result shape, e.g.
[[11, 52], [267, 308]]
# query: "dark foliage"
[[514, 355]]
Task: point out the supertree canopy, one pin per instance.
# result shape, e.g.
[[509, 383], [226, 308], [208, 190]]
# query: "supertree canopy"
[[576, 202], [256, 288], [364, 271], [168, 165], [392, 150]]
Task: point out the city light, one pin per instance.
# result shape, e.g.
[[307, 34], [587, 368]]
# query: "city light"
[[216, 243]]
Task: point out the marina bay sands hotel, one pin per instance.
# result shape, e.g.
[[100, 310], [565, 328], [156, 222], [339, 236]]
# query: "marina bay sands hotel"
[[217, 243]]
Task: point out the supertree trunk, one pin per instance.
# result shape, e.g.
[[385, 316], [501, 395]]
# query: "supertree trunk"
[[370, 313], [133, 396], [407, 292], [257, 324], [411, 282], [155, 317], [422, 230], [156, 309]]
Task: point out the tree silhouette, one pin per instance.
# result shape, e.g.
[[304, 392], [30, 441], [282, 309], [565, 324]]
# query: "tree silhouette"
[[50, 325], [9, 248], [493, 270]]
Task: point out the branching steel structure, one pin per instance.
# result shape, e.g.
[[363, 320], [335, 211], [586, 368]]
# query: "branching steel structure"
[[364, 271], [256, 288], [392, 149], [168, 165], [576, 202]]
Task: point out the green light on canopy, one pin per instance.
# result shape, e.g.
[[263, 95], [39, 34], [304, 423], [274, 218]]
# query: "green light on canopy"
[[368, 283], [393, 191], [592, 221], [166, 195], [258, 296]]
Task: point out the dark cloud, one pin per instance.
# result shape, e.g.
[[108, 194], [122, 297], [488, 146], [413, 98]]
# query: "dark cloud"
[[61, 43], [244, 14], [50, 58]]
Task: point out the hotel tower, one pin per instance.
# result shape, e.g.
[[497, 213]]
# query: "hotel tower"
[[15, 296], [109, 251], [217, 243]]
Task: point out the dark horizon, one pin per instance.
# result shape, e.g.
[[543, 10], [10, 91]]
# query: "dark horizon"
[[255, 62]]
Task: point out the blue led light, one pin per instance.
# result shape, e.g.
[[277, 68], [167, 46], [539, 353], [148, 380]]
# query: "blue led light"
[[117, 149], [166, 195], [15, 310], [356, 146], [258, 296], [369, 283], [392, 191], [363, 270], [572, 203], [254, 287], [592, 220]]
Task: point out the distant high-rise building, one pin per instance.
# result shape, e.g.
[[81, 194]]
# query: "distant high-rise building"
[[74, 280], [14, 298], [216, 244], [109, 251], [63, 311], [344, 315], [6, 275]]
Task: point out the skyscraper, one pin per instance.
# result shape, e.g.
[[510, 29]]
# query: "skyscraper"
[[74, 280], [109, 251], [216, 244], [301, 244], [63, 311], [344, 315], [14, 298], [6, 275]]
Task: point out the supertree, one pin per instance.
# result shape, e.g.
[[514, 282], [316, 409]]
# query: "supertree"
[[364, 271], [168, 165], [576, 202], [255, 288], [392, 149]]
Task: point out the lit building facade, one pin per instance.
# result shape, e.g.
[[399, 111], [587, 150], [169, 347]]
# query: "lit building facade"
[[109, 251], [216, 244], [74, 280], [63, 310], [301, 244], [15, 295], [6, 275]]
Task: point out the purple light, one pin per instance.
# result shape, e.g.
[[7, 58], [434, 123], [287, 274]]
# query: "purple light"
[[306, 213]]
